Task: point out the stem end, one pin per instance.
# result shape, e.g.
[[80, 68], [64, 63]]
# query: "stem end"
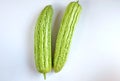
[[44, 74], [77, 1]]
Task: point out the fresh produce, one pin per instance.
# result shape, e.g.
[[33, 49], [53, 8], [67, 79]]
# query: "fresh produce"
[[42, 41], [65, 34]]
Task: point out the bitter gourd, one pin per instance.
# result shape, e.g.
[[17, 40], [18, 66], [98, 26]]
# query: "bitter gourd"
[[65, 33], [42, 41]]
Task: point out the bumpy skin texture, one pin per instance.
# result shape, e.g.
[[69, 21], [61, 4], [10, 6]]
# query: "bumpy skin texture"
[[42, 41], [65, 33]]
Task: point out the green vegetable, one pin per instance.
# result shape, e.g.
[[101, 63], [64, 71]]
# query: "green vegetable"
[[65, 33], [42, 41]]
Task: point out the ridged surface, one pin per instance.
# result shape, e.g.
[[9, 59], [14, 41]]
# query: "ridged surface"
[[65, 33], [42, 41]]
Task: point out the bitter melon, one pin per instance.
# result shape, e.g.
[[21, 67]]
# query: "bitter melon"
[[65, 33], [42, 41]]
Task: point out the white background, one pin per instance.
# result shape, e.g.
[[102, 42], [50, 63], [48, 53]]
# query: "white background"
[[95, 48]]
